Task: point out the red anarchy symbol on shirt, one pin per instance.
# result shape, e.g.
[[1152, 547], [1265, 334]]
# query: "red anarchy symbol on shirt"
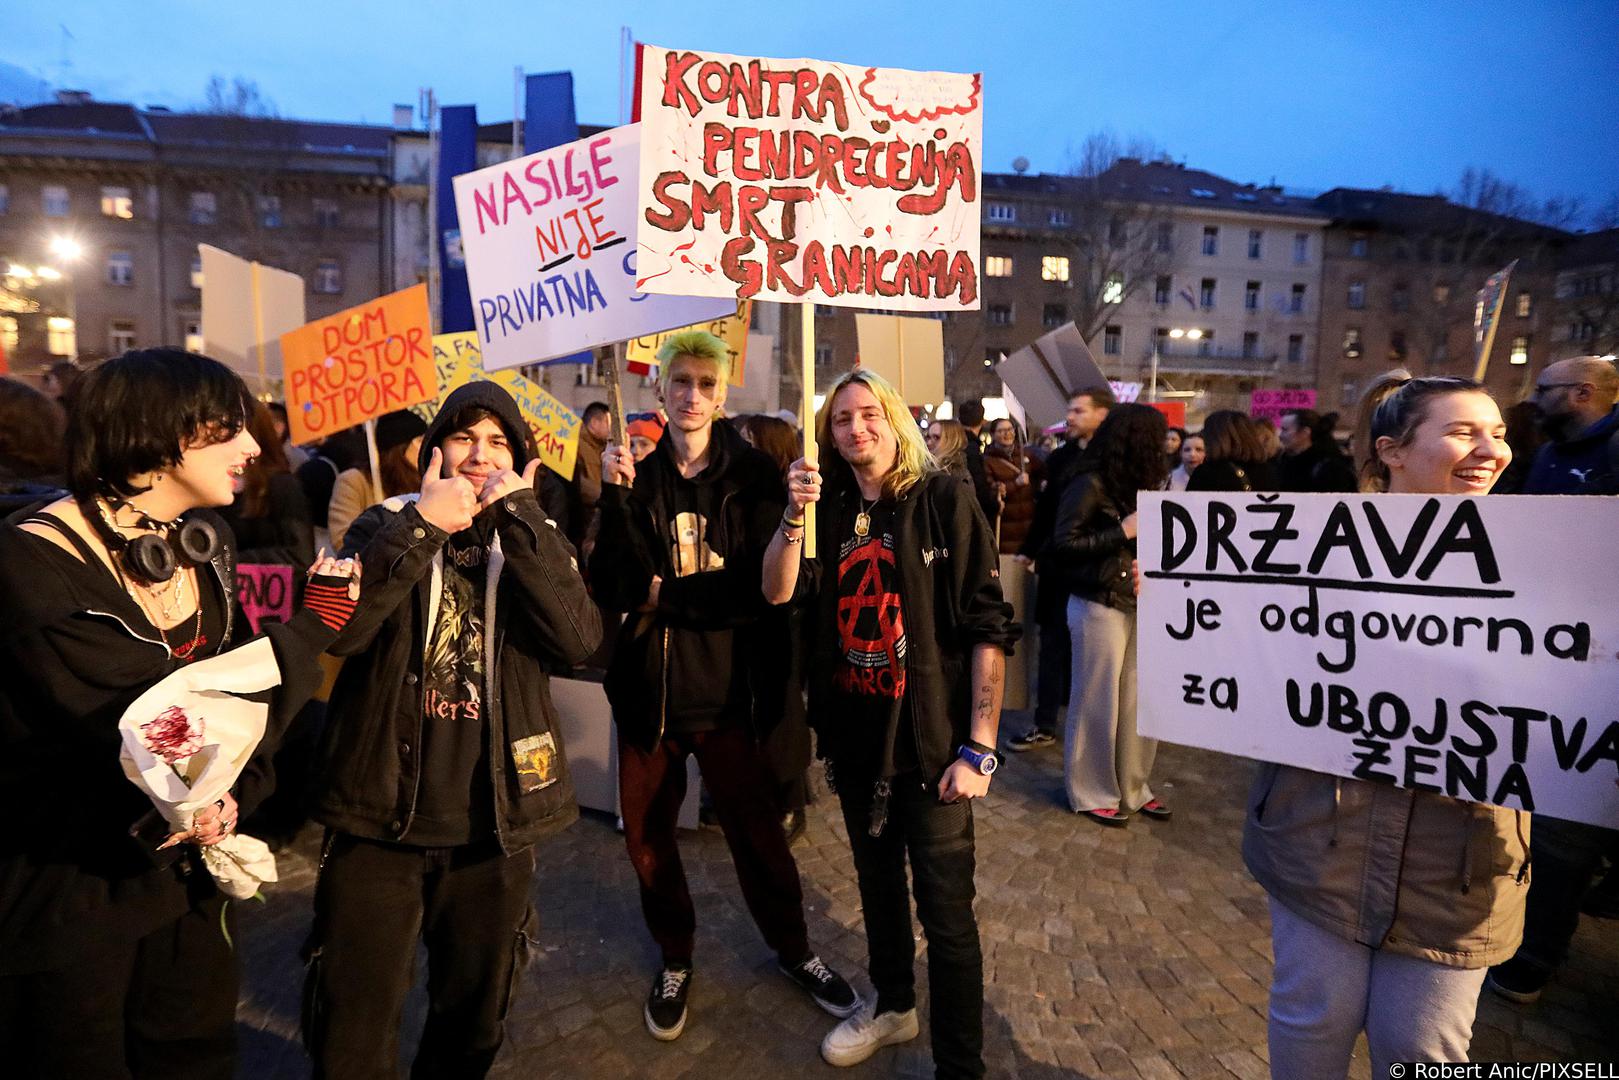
[[870, 595]]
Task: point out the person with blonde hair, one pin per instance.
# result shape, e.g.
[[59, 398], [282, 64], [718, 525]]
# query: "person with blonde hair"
[[912, 636], [947, 442]]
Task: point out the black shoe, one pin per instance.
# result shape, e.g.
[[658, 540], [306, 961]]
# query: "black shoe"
[[829, 989], [1032, 739], [666, 1006], [1518, 980], [793, 823]]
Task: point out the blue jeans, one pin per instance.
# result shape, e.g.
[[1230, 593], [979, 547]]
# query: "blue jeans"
[[938, 837]]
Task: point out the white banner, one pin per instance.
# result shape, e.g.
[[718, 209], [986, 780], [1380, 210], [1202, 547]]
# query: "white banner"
[[1455, 644], [796, 180], [551, 258]]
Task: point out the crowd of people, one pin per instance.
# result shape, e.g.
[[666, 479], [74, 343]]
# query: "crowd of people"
[[456, 576]]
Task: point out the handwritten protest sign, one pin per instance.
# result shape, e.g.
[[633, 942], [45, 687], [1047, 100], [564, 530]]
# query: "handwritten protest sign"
[[1271, 404], [554, 425], [358, 364], [1446, 643], [265, 592], [641, 355], [907, 351], [793, 179], [550, 248], [246, 307]]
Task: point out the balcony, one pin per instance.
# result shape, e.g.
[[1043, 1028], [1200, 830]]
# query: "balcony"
[[1181, 360]]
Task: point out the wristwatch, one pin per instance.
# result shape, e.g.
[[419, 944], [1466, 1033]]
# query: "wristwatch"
[[985, 761]]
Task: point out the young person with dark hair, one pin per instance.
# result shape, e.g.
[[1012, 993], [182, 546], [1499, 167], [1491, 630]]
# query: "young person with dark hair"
[[1236, 452], [682, 535], [32, 458], [1311, 459], [115, 955], [441, 765]]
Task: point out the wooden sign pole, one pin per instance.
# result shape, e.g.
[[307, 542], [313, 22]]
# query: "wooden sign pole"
[[806, 324], [615, 398], [376, 460]]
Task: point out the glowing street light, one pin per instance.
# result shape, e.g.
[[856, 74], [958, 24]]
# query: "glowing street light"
[[49, 273], [66, 247], [1177, 332]]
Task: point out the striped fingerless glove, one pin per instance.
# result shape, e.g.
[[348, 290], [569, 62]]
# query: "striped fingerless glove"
[[328, 597]]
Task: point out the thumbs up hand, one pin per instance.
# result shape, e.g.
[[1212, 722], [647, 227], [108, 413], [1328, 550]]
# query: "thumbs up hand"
[[502, 483], [446, 503]]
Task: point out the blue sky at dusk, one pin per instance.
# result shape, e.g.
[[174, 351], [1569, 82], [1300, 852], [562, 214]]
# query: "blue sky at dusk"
[[1314, 94]]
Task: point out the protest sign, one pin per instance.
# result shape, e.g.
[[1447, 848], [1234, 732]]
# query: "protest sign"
[[549, 241], [1047, 372], [246, 307], [808, 180], [265, 592], [1451, 643], [641, 354], [908, 351], [554, 425], [1174, 411], [1271, 404], [358, 364]]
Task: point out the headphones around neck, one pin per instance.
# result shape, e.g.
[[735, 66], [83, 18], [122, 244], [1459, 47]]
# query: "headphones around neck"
[[153, 557]]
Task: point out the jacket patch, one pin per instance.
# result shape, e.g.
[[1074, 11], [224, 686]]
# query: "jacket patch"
[[929, 554], [536, 760]]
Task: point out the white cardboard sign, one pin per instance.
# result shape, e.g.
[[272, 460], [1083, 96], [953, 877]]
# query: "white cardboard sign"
[[1455, 644], [551, 257]]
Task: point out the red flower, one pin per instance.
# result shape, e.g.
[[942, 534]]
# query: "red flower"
[[173, 736]]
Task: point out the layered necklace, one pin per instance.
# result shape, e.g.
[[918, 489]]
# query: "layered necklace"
[[161, 601]]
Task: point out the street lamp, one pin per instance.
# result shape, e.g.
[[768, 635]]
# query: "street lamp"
[[1192, 334], [65, 247]]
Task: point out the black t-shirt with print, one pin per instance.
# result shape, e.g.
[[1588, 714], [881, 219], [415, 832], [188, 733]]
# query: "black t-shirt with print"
[[703, 654], [454, 803]]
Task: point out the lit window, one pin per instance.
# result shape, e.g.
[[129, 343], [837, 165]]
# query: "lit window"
[[1295, 302], [1054, 268], [1357, 247], [1113, 291], [1161, 288], [270, 211], [1524, 307], [1295, 348], [8, 334], [1250, 345], [1166, 237], [997, 266], [120, 268], [120, 336], [1351, 341], [60, 340], [196, 271], [999, 314], [1357, 295], [1206, 293], [53, 199], [194, 341], [1520, 347], [117, 202], [1256, 243], [327, 213], [204, 208], [1053, 315], [328, 276], [997, 211], [1301, 247], [1059, 218], [1112, 341], [1211, 239], [1250, 296]]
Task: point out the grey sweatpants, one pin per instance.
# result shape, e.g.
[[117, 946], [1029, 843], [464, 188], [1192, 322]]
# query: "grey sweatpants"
[[1106, 763]]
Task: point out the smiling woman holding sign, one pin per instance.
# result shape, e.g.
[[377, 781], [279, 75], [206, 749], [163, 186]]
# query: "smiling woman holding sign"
[[1388, 904]]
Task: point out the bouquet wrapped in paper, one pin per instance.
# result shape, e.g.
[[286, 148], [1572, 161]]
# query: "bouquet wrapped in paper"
[[186, 741]]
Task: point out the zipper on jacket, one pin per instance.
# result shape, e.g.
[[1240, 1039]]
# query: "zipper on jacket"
[[128, 630], [663, 687]]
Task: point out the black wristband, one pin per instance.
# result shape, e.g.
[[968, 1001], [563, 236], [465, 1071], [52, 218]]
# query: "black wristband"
[[980, 747]]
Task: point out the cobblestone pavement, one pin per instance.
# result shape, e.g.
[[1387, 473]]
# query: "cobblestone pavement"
[[1108, 953]]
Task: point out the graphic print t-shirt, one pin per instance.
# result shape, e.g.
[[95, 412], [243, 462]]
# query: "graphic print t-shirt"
[[870, 675], [707, 688], [454, 803]]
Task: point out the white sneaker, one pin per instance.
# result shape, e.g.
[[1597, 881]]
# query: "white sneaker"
[[863, 1034]]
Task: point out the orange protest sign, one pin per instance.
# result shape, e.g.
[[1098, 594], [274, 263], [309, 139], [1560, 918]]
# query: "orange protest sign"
[[347, 368]]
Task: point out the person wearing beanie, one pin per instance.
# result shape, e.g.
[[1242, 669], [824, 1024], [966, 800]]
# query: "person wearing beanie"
[[399, 438], [644, 430], [442, 765]]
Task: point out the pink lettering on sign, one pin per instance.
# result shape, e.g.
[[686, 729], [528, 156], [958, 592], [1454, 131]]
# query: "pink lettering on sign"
[[264, 591], [1271, 404]]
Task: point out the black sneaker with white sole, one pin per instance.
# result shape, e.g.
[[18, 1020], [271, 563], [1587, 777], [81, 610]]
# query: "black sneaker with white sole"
[[830, 990], [666, 1005], [1032, 739]]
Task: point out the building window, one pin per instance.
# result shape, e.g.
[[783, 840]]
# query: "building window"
[[1400, 297], [1357, 295], [8, 334], [1117, 233], [1295, 348], [203, 208], [1295, 302], [270, 211], [1397, 350], [1352, 342], [999, 211], [117, 202], [1206, 293], [196, 272], [1053, 315], [120, 268], [5, 198], [997, 266], [823, 356], [999, 314], [1250, 296], [1211, 239], [1301, 247], [1113, 290], [1160, 290], [328, 276], [1520, 346], [1250, 345], [1112, 341], [193, 336], [60, 339], [1059, 218], [1357, 246], [1441, 294], [328, 215], [1524, 305], [1054, 268], [120, 336], [1256, 243], [1166, 237], [1205, 343], [53, 199]]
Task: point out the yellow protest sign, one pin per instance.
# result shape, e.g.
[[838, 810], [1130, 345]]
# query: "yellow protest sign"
[[555, 426], [642, 353]]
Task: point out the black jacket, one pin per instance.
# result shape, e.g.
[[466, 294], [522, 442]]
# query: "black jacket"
[[368, 769], [1051, 595], [1313, 470], [950, 590], [653, 671], [1088, 551], [1587, 464], [1227, 475]]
